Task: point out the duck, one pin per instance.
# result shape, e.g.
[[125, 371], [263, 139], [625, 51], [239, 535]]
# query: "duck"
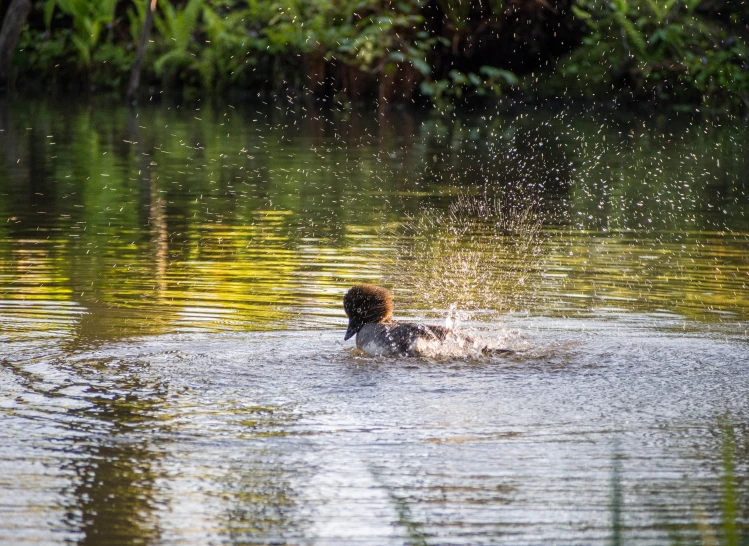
[[370, 312]]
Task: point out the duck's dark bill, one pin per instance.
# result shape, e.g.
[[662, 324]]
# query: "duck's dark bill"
[[350, 332]]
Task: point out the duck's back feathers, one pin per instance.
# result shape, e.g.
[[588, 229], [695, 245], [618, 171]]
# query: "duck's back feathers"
[[408, 339]]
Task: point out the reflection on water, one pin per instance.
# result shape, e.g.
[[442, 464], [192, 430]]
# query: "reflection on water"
[[113, 472], [172, 365], [120, 223]]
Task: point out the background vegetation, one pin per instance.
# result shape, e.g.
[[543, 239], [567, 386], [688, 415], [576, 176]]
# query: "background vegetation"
[[692, 52]]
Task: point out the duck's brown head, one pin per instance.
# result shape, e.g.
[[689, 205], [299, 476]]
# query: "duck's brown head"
[[366, 303]]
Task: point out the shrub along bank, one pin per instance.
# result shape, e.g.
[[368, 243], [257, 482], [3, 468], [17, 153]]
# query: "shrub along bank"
[[690, 52]]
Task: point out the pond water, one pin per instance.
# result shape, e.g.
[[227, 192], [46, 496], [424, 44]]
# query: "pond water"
[[173, 369]]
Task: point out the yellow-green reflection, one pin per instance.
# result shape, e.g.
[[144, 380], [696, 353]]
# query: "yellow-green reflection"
[[116, 222]]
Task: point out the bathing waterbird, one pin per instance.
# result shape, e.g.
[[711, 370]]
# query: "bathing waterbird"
[[370, 312]]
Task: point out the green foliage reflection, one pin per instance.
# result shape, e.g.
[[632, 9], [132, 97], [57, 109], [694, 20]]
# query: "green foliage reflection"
[[120, 223]]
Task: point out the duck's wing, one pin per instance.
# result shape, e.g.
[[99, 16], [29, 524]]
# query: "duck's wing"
[[410, 331], [433, 332], [402, 335], [442, 333], [391, 338]]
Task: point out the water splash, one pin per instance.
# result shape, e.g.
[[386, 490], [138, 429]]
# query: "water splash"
[[479, 256], [453, 318]]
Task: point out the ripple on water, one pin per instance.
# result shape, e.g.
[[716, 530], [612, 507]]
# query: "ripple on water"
[[288, 436]]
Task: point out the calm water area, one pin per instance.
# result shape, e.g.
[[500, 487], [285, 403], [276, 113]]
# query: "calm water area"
[[172, 363]]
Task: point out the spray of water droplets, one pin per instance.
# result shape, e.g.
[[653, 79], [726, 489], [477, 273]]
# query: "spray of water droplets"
[[478, 257]]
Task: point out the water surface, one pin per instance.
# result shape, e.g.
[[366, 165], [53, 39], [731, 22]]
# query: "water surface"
[[173, 365]]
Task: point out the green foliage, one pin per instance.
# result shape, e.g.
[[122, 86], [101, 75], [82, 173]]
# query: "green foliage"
[[667, 50], [177, 28], [458, 85], [215, 44], [136, 16], [385, 41], [89, 18], [720, 75], [113, 64], [661, 49], [225, 56], [39, 51]]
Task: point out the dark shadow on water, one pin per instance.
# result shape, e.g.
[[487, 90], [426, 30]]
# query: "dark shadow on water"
[[109, 451], [617, 501], [115, 465]]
